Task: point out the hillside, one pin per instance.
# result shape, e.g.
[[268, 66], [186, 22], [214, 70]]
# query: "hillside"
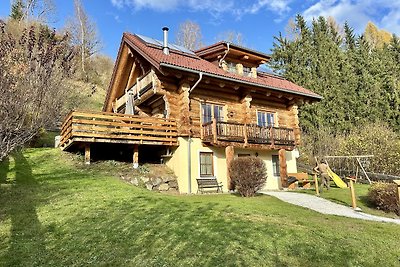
[[55, 211]]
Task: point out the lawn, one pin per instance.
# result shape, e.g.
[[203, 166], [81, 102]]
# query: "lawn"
[[56, 212]]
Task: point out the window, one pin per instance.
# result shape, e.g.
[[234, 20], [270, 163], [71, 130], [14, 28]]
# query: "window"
[[247, 71], [243, 155], [275, 165], [232, 67], [211, 111], [265, 119], [206, 164]]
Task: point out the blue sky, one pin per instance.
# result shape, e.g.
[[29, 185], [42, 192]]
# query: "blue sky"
[[258, 20]]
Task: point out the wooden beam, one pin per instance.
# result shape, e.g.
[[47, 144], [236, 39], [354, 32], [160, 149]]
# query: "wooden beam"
[[283, 167], [135, 156], [87, 153], [229, 154]]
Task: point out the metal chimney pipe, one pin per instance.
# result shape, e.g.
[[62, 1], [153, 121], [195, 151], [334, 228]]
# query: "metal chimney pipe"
[[165, 42]]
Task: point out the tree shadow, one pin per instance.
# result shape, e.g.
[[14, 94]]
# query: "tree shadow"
[[4, 168], [26, 244]]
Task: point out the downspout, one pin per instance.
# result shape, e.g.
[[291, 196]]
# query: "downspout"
[[190, 142], [189, 165], [226, 53]]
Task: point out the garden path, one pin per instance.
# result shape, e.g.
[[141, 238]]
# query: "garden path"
[[324, 206]]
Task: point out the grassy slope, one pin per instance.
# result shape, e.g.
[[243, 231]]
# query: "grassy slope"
[[55, 212]]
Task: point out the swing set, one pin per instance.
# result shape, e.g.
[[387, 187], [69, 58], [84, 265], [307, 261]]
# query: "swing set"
[[350, 166]]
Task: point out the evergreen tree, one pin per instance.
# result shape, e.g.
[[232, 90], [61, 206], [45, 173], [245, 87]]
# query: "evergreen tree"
[[17, 10]]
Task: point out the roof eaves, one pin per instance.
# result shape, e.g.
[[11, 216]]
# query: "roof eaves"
[[212, 75], [152, 61]]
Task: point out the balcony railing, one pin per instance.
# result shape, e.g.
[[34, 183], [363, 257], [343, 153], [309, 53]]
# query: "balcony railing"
[[141, 85], [215, 131], [105, 127]]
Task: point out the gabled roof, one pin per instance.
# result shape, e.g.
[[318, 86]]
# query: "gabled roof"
[[192, 62], [223, 45], [156, 57]]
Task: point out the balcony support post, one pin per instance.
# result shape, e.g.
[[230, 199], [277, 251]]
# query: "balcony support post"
[[87, 153], [229, 154], [214, 130], [283, 167], [135, 156]]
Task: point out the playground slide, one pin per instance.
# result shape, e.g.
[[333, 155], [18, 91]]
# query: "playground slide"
[[339, 182]]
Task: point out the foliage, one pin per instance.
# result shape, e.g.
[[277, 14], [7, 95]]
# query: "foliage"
[[248, 175], [60, 213], [359, 83], [384, 197], [376, 139], [34, 68], [377, 38], [17, 10]]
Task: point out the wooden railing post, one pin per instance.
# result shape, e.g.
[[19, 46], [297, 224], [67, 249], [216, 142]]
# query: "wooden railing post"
[[246, 138], [272, 135], [214, 130]]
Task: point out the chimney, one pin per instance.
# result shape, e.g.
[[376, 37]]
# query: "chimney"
[[165, 41]]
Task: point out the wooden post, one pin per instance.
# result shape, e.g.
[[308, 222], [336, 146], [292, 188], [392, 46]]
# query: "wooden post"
[[135, 156], [397, 182], [214, 130], [246, 139], [316, 184], [87, 153], [229, 154], [353, 194], [283, 167]]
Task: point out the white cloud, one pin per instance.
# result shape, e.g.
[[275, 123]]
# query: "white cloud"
[[384, 13], [214, 7], [218, 6], [278, 6]]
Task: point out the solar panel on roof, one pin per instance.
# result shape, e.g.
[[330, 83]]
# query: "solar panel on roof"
[[160, 43]]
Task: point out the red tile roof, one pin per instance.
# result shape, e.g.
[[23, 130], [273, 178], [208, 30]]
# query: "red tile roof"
[[193, 62]]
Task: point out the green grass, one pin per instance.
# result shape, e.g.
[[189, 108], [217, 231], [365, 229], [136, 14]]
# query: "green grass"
[[343, 196], [56, 212]]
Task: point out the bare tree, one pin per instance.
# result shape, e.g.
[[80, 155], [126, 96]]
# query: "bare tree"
[[38, 10], [33, 87], [83, 33], [232, 37], [189, 35]]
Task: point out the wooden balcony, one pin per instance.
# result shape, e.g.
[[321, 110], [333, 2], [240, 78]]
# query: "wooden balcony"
[[105, 127], [219, 133], [142, 85]]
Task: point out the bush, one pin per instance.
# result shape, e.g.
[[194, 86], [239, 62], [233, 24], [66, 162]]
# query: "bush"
[[248, 175], [384, 197]]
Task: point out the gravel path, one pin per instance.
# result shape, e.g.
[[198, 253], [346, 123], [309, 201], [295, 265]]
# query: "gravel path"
[[324, 206]]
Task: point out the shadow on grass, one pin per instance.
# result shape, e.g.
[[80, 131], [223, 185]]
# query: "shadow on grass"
[[26, 244], [4, 167]]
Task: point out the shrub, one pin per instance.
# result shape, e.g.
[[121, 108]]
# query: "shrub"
[[384, 197], [248, 175]]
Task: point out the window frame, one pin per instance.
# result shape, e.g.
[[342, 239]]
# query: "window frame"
[[276, 168], [222, 111], [265, 115], [211, 154]]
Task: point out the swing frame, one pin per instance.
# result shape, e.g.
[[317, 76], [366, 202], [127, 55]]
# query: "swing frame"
[[359, 164]]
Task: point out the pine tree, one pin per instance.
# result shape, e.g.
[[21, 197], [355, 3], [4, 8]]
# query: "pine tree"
[[17, 10]]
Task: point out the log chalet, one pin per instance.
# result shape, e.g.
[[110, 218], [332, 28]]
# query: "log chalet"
[[195, 110]]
